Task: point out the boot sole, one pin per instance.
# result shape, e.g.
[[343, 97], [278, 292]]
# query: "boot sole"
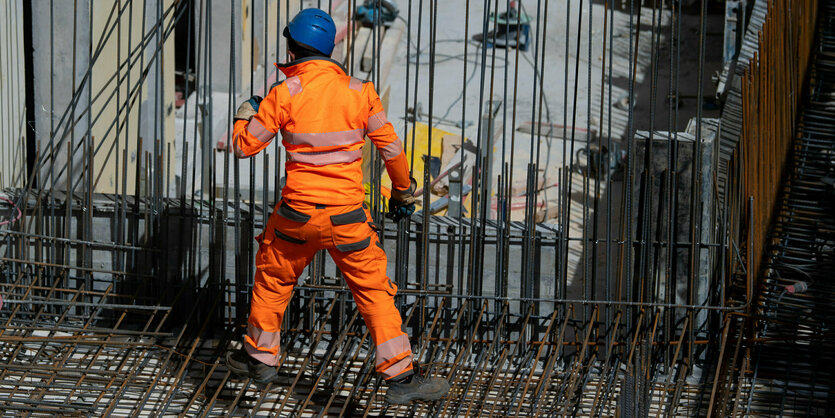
[[405, 399], [235, 367]]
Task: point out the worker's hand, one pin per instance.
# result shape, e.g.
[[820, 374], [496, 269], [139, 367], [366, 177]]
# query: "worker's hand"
[[402, 202], [248, 109]]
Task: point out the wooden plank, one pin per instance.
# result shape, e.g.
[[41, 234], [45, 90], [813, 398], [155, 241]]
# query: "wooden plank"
[[368, 56], [441, 187], [555, 130], [390, 48], [358, 49]]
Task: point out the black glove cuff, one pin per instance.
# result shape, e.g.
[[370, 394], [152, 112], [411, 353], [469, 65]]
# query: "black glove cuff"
[[410, 190]]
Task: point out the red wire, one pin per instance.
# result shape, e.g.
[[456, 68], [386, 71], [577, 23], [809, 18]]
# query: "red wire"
[[19, 214]]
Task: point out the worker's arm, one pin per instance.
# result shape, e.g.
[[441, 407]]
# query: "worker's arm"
[[381, 132], [256, 123]]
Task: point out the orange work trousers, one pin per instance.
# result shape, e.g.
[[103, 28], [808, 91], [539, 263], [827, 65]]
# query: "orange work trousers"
[[293, 235]]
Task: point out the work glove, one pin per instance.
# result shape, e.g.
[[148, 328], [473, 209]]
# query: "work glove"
[[248, 109], [402, 202]]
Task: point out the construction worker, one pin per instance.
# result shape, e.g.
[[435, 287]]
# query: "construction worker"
[[323, 116]]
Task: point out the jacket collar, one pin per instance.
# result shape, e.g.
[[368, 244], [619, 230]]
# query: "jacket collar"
[[311, 64]]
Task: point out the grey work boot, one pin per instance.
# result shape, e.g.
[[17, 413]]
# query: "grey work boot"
[[243, 365], [416, 387]]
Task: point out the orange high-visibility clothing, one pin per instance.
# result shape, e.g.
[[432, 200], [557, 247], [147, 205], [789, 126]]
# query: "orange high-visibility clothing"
[[324, 116], [293, 235]]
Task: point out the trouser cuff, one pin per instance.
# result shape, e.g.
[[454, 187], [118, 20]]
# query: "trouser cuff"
[[403, 375]]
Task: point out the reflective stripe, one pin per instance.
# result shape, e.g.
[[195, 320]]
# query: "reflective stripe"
[[294, 85], [377, 121], [392, 150], [355, 84], [265, 357], [258, 130], [263, 339], [397, 368], [238, 151], [324, 139], [393, 348], [324, 157], [262, 345]]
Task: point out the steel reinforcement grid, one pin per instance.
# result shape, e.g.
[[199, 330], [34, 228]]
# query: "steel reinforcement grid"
[[605, 257]]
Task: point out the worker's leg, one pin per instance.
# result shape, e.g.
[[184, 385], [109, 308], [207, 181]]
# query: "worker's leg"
[[362, 262], [289, 242]]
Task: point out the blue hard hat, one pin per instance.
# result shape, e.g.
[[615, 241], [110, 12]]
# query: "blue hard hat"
[[312, 28]]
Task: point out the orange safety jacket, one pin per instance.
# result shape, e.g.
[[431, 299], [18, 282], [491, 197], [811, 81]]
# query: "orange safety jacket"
[[323, 116]]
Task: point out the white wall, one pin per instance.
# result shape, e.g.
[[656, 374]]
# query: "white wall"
[[113, 105], [12, 97]]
